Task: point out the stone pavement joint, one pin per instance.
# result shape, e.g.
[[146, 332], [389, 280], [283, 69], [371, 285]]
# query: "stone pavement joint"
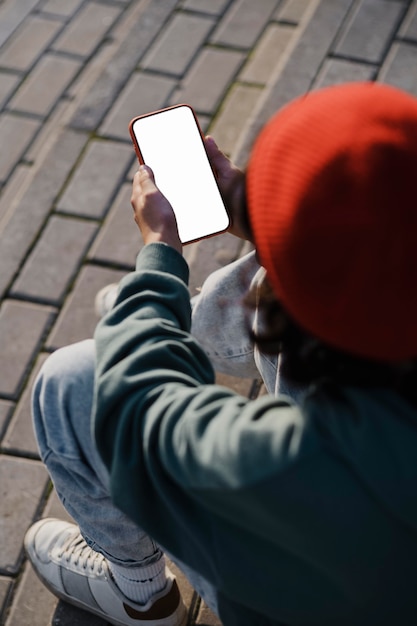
[[370, 30], [105, 163], [72, 75], [151, 17], [17, 231], [175, 49]]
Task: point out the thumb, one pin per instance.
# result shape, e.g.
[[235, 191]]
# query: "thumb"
[[217, 158], [146, 178]]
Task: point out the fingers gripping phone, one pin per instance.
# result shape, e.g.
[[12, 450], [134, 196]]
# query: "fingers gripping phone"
[[171, 143]]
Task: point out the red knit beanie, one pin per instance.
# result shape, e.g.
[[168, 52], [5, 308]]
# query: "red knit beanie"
[[332, 197]]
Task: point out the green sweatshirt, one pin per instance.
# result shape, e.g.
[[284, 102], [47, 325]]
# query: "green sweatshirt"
[[301, 515]]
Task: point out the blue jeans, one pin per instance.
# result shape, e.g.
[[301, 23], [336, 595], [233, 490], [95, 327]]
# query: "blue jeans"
[[62, 403]]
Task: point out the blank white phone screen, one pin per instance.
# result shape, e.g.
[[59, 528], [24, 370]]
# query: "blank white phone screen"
[[171, 144]]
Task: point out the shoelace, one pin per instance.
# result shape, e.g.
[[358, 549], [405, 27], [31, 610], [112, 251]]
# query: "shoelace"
[[75, 550]]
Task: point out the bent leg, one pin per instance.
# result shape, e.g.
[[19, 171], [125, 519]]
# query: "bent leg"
[[221, 324], [219, 321], [62, 402]]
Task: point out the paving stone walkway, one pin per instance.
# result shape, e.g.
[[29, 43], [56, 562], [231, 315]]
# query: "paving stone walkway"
[[72, 75]]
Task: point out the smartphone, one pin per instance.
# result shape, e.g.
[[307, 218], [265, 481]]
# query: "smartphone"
[[170, 141]]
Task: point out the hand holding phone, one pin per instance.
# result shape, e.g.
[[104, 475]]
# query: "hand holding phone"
[[171, 143], [232, 184], [152, 211]]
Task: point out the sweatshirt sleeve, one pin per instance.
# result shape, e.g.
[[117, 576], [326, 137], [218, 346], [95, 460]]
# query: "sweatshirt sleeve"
[[176, 444]]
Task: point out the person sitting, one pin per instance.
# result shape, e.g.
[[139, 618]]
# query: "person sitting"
[[299, 506]]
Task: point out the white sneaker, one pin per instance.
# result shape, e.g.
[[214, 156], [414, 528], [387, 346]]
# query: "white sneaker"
[[105, 299], [76, 573]]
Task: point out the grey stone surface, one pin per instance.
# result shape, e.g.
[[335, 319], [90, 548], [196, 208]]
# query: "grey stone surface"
[[244, 22], [14, 184], [87, 29], [22, 328], [54, 261], [215, 7], [16, 133], [99, 174], [142, 94], [114, 75], [78, 319], [22, 485], [336, 71], [400, 68], [119, 240], [292, 11], [17, 231], [370, 30], [45, 86], [207, 81], [6, 409], [8, 83], [31, 40], [6, 585], [271, 49], [409, 27], [237, 108], [67, 615], [167, 55], [12, 15], [32, 603], [19, 437], [63, 9]]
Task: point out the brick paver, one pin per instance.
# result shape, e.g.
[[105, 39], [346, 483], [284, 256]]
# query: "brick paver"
[[16, 133], [119, 239], [17, 231], [8, 83], [239, 104], [77, 319], [96, 179], [29, 43], [23, 484], [173, 52], [209, 79], [292, 11], [6, 410], [87, 30], [336, 71], [270, 50], [370, 30], [409, 27], [148, 19], [46, 275], [40, 92], [214, 7], [12, 14], [400, 69], [19, 437], [143, 93], [244, 23], [63, 9], [72, 75], [22, 327]]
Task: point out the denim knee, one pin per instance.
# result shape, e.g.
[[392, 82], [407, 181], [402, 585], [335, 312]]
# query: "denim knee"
[[63, 394]]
